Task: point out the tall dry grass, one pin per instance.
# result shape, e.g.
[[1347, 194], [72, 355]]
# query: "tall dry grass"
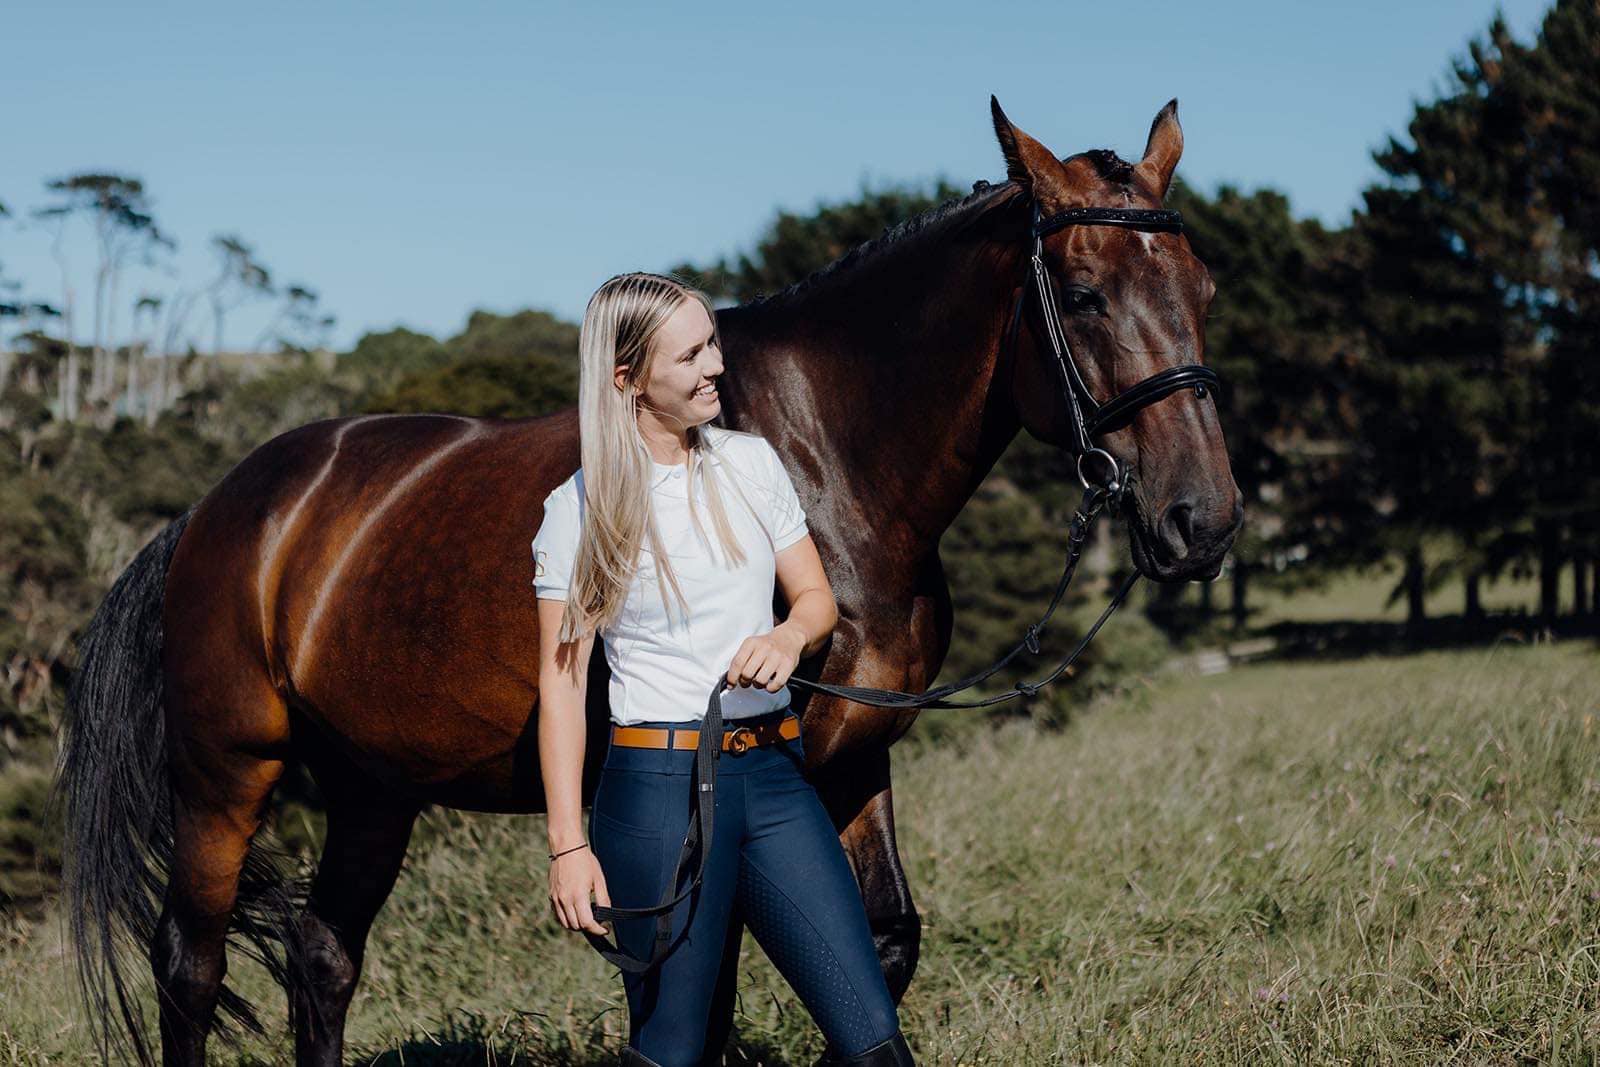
[[1364, 861]]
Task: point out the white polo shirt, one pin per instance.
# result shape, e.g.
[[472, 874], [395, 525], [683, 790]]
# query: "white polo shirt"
[[663, 666]]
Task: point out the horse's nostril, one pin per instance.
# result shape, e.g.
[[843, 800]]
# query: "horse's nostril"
[[1177, 528]]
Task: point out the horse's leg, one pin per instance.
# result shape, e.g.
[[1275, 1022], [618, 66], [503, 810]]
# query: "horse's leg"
[[216, 810], [857, 794], [368, 830]]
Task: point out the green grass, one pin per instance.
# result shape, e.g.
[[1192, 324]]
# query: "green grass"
[[1390, 860]]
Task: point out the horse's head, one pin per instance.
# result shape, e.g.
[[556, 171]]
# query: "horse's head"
[[1132, 303]]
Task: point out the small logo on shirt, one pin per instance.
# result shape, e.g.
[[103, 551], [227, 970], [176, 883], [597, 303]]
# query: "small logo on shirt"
[[538, 564]]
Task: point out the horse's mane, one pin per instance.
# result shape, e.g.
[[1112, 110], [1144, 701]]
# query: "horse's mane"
[[954, 215]]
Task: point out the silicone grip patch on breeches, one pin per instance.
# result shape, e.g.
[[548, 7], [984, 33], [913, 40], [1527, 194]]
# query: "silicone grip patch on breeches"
[[805, 956]]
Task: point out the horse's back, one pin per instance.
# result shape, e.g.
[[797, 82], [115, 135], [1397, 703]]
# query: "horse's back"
[[376, 569]]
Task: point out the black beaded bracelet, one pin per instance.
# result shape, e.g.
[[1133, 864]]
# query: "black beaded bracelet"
[[564, 851]]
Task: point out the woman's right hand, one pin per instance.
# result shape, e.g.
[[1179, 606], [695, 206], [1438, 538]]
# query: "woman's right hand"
[[572, 878]]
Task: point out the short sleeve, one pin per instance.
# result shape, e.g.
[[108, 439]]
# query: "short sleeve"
[[555, 546], [788, 517]]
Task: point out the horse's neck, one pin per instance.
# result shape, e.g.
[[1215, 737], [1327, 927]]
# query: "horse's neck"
[[885, 381]]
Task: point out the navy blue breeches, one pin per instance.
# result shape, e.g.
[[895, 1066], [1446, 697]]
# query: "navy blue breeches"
[[775, 859]]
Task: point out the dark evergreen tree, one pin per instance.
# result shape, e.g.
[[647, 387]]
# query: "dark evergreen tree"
[[1275, 334], [1551, 99], [1480, 306], [1445, 391]]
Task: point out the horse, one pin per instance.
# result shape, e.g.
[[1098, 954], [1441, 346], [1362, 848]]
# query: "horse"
[[356, 593]]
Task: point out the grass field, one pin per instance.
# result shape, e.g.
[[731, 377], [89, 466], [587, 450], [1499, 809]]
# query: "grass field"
[[1385, 860]]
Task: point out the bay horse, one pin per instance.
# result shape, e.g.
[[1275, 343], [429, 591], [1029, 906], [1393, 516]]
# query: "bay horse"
[[356, 593]]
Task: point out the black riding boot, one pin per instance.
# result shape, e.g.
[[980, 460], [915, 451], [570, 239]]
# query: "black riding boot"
[[893, 1052]]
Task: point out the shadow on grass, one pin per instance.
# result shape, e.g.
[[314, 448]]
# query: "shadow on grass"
[[470, 1040], [1353, 638], [1191, 627], [477, 1054]]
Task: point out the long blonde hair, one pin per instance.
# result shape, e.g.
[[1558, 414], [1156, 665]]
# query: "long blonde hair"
[[619, 325]]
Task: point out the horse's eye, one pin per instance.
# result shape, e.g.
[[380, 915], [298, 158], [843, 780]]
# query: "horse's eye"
[[1082, 300]]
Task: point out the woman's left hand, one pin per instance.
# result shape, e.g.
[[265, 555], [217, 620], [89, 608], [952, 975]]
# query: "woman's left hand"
[[766, 659]]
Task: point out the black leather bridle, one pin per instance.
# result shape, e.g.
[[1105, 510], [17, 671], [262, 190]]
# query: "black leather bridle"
[[1089, 417], [1089, 420]]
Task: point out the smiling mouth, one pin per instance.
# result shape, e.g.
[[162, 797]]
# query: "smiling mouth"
[[706, 393]]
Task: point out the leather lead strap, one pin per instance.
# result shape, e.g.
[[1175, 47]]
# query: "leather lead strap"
[[696, 842], [1094, 499]]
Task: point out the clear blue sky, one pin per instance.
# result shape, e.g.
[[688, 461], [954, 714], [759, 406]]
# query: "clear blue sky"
[[413, 161]]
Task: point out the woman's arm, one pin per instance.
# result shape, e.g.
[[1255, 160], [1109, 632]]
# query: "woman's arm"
[[769, 659], [563, 686], [812, 610]]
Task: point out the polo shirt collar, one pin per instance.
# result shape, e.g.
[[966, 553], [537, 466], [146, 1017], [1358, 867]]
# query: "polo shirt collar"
[[664, 474]]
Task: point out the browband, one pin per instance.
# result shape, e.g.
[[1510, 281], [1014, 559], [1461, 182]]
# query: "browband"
[[1132, 217]]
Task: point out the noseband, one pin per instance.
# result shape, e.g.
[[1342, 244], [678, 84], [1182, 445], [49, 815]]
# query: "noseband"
[[1089, 417]]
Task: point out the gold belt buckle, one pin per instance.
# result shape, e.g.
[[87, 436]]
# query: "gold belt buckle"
[[741, 739]]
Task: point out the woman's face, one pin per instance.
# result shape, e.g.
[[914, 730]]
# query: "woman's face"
[[681, 387]]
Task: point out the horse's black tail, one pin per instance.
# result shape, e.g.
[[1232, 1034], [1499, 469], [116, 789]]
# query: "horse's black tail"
[[112, 782]]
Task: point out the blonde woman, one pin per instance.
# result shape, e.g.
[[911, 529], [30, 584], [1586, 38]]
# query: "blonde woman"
[[667, 542]]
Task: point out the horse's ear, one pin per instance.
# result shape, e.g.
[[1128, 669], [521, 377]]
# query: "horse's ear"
[[1028, 163], [1162, 150]]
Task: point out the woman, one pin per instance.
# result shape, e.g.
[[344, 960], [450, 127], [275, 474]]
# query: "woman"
[[667, 542]]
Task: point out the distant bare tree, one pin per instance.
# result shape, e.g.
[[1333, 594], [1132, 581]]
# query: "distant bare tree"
[[240, 277], [118, 211], [30, 315], [299, 324], [139, 347], [9, 307], [170, 314]]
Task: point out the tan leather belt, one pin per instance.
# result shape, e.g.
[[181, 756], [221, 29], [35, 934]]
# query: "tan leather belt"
[[735, 740]]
